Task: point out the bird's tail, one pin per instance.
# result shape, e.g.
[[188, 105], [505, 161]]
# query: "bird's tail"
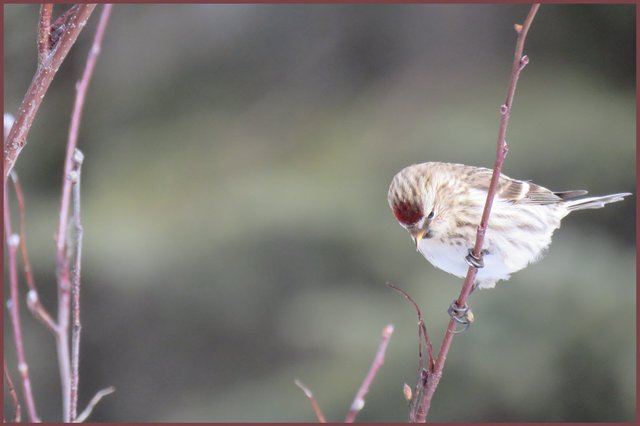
[[595, 202]]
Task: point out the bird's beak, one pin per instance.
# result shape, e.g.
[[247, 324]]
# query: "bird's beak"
[[417, 237]]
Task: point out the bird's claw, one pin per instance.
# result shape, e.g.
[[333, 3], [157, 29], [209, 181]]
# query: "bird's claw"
[[461, 315], [476, 262]]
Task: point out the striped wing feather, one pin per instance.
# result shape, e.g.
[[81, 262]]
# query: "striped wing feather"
[[518, 191]]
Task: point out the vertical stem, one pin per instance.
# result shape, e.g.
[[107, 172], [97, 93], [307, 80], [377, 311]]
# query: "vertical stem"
[[75, 287], [14, 396], [13, 240], [62, 336], [33, 299], [62, 263]]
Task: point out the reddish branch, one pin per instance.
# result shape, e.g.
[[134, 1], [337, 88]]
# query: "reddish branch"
[[312, 400], [17, 418], [358, 401], [51, 53], [63, 272], [54, 42], [44, 30], [519, 62], [422, 330], [13, 241], [424, 366], [33, 298]]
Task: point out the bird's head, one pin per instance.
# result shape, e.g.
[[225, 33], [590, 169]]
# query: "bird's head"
[[411, 204]]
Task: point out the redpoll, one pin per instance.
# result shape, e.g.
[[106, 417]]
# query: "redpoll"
[[440, 204]]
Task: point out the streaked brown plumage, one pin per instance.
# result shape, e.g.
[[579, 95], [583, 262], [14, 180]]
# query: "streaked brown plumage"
[[440, 204]]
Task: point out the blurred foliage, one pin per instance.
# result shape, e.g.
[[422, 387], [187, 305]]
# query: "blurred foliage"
[[236, 228]]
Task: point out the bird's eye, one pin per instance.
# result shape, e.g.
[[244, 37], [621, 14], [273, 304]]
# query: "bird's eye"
[[430, 215]]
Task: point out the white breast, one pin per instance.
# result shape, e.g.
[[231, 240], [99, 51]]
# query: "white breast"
[[450, 258]]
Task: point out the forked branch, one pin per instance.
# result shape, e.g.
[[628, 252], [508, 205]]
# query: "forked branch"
[[51, 52], [54, 42]]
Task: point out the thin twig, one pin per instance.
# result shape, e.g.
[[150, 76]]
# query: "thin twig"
[[33, 298], [422, 330], [519, 62], [44, 31], [94, 401], [424, 368], [74, 127], [62, 258], [44, 74], [75, 285], [358, 401], [313, 401], [13, 240], [17, 418]]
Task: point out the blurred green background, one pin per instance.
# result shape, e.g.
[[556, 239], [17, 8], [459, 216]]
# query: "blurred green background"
[[236, 229]]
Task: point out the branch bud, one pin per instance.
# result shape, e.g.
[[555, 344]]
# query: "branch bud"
[[13, 240], [406, 390], [523, 62], [32, 297], [73, 176], [388, 330], [8, 124], [518, 28], [357, 405], [78, 156]]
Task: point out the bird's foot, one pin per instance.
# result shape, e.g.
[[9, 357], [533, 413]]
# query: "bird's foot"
[[476, 262], [461, 315]]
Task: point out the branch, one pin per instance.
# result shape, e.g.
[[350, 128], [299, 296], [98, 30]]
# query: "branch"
[[48, 66], [44, 31], [423, 336], [17, 418], [94, 401], [75, 284], [74, 127], [313, 401], [13, 240], [62, 259], [358, 401], [519, 62], [33, 298], [415, 398]]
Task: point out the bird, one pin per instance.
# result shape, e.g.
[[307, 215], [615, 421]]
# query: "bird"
[[441, 204]]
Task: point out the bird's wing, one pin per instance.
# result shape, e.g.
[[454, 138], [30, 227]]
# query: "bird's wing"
[[518, 191]]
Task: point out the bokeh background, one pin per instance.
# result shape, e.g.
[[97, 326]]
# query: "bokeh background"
[[236, 228]]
